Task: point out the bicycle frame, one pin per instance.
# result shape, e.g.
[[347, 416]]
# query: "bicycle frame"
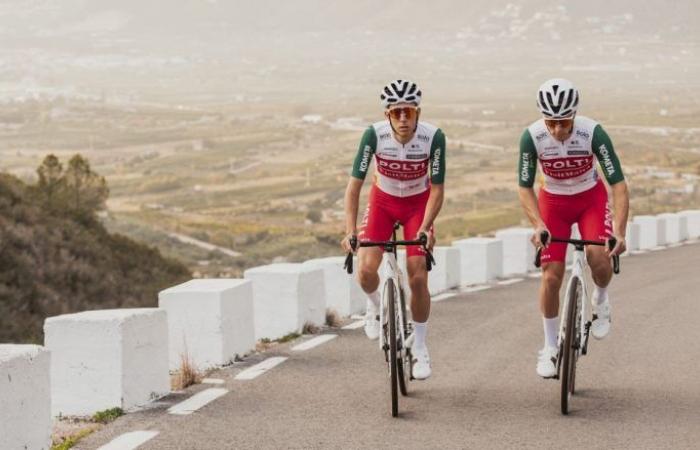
[[399, 278], [578, 269]]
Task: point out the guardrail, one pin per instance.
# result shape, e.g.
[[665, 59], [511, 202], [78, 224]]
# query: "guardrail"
[[122, 358]]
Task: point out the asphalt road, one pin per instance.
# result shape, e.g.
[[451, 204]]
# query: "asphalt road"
[[638, 388]]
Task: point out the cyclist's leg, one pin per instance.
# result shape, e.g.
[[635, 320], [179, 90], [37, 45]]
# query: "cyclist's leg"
[[595, 224], [418, 282], [415, 257], [377, 225], [556, 213]]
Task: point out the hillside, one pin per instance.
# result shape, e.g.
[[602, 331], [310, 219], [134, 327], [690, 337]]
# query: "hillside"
[[55, 262]]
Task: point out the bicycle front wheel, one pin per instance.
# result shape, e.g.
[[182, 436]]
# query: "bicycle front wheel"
[[570, 347], [404, 359], [393, 350]]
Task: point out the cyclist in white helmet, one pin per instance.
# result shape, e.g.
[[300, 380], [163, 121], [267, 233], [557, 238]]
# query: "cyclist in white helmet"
[[409, 175], [567, 147]]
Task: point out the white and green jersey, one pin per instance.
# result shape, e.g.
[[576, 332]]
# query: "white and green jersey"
[[402, 170], [569, 166]]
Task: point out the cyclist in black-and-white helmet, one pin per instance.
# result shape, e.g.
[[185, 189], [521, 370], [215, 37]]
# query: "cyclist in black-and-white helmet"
[[409, 174], [558, 99], [400, 91], [567, 148]]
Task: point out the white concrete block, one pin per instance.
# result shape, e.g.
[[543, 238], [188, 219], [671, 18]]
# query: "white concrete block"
[[633, 235], [343, 293], [481, 259], [106, 359], [209, 320], [25, 397], [518, 251], [285, 297], [676, 227], [693, 223], [652, 232], [446, 271]]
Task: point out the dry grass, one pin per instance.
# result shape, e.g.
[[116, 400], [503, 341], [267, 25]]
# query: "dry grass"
[[332, 318], [187, 375], [310, 328]]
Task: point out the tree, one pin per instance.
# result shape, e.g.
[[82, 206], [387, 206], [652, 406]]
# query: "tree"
[[51, 182], [87, 191]]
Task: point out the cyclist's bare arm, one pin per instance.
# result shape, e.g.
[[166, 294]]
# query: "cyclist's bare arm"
[[432, 209], [352, 204], [528, 200], [621, 207]]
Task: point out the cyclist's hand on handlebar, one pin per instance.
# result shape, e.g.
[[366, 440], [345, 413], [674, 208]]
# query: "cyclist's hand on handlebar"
[[347, 242], [536, 238], [430, 236], [620, 247]]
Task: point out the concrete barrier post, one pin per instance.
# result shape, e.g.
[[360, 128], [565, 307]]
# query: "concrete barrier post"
[[107, 359], [343, 293], [481, 259], [649, 231], [633, 236], [25, 397], [210, 321], [285, 297], [675, 226], [692, 223], [518, 251], [446, 272]]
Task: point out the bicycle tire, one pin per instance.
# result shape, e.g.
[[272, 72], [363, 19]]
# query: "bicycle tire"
[[393, 369], [404, 362], [569, 347]]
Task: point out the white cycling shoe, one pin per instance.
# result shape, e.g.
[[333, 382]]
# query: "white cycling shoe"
[[546, 362], [421, 363], [601, 322], [372, 321]]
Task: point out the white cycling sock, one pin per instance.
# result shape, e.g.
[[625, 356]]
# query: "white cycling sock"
[[600, 294], [375, 297], [420, 329], [551, 330]]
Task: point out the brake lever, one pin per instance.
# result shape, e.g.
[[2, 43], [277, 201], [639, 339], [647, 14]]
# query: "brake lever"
[[348, 259], [612, 242], [544, 238]]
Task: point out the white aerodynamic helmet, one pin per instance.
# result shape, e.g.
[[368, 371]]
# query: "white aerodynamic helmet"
[[557, 98], [399, 91]]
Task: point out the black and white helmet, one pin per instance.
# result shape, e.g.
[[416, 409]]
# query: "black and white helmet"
[[557, 99], [399, 91]]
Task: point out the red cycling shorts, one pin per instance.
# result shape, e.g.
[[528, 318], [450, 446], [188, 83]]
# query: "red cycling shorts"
[[590, 209], [384, 210]]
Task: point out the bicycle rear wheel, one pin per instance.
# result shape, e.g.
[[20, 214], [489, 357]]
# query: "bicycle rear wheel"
[[570, 347], [393, 369], [404, 360]]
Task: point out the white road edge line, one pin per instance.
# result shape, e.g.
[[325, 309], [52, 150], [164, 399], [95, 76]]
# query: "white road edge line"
[[260, 368], [445, 296], [468, 290], [212, 381], [129, 441], [511, 281], [354, 325], [314, 342], [197, 401]]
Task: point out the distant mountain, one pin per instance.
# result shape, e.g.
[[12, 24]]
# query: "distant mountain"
[[55, 263]]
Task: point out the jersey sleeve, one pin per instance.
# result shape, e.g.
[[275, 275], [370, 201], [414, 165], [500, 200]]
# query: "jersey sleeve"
[[527, 163], [605, 152], [437, 158], [368, 145]]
